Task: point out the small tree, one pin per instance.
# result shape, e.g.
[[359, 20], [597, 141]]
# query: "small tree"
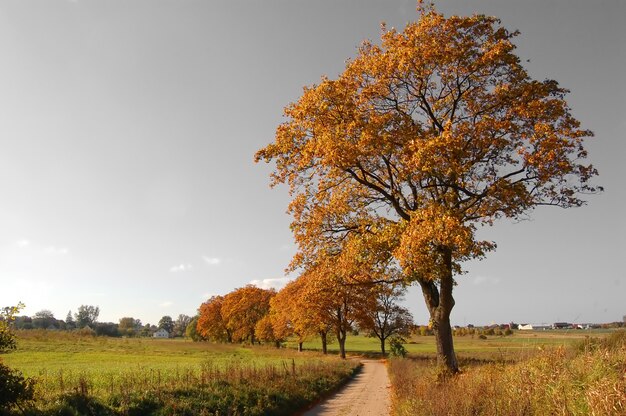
[[180, 324], [264, 331], [192, 330], [14, 387], [128, 326], [44, 319], [167, 323], [69, 321], [387, 318], [87, 315]]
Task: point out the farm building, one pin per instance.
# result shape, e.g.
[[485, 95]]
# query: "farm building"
[[161, 333], [533, 327]]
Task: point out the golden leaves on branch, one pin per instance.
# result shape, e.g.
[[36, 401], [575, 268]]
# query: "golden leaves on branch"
[[436, 130]]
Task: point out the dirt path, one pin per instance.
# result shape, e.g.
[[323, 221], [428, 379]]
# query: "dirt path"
[[367, 394]]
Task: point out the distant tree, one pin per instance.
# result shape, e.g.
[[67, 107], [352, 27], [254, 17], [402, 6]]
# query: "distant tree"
[[147, 330], [180, 325], [243, 308], [14, 387], [265, 332], [192, 330], [166, 323], [23, 322], [335, 297], [106, 329], [69, 321], [87, 315], [387, 318], [44, 319], [211, 324], [292, 314], [128, 326]]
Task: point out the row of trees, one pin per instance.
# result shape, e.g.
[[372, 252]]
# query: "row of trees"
[[422, 139], [87, 315], [87, 318], [307, 307]]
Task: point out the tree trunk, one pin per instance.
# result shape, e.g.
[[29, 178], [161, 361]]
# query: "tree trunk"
[[440, 302], [341, 338], [324, 342], [299, 346], [382, 346]]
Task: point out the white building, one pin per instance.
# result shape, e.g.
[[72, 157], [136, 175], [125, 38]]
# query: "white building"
[[161, 333]]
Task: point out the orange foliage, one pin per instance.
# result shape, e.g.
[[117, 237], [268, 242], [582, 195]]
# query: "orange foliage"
[[211, 324], [420, 140], [243, 308]]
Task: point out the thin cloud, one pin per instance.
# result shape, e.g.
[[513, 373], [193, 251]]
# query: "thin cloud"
[[212, 261], [181, 268], [481, 280], [22, 243], [56, 251], [166, 304], [277, 283]]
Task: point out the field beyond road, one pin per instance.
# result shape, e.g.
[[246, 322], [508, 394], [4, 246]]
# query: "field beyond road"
[[566, 371], [143, 376]]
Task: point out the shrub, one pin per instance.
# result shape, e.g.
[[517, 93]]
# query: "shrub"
[[396, 348], [14, 388]]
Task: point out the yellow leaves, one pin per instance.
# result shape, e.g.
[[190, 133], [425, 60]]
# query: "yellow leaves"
[[234, 316], [430, 231], [422, 137]]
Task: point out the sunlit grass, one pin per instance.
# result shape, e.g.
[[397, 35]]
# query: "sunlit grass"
[[118, 375], [494, 345], [563, 374]]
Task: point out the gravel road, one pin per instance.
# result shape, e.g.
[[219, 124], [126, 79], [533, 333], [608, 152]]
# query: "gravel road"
[[366, 394]]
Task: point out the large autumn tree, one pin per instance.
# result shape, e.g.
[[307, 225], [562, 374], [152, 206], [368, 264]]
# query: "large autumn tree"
[[420, 140]]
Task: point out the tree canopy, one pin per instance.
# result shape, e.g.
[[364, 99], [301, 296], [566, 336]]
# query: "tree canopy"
[[421, 140]]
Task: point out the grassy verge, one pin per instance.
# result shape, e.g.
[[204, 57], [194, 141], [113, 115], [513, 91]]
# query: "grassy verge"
[[107, 376], [585, 378]]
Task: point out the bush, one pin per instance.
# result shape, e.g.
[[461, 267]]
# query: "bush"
[[396, 348], [14, 388]]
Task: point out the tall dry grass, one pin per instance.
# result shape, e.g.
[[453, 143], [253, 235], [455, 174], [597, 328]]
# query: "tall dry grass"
[[587, 380], [236, 388]]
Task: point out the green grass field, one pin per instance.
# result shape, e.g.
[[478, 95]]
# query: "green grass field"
[[139, 376], [125, 376], [496, 346]]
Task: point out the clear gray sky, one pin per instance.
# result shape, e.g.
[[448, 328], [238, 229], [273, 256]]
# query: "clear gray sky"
[[128, 128]]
